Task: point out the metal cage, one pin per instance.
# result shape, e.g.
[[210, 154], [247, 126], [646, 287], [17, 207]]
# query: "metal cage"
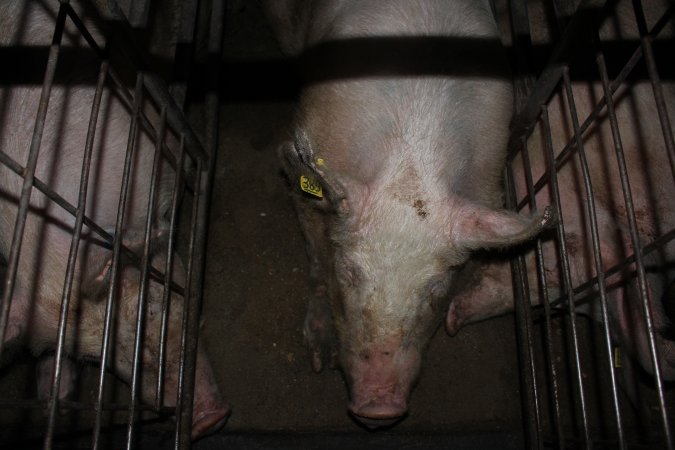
[[158, 114], [576, 393]]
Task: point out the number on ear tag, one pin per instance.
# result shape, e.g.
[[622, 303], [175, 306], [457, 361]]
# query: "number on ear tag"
[[311, 186]]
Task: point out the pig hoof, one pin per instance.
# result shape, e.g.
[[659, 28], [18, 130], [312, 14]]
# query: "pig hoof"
[[208, 422]]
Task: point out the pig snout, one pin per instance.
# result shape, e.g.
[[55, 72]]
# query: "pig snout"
[[381, 380], [209, 412]]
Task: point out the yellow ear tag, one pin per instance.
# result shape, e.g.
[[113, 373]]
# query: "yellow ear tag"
[[311, 186]]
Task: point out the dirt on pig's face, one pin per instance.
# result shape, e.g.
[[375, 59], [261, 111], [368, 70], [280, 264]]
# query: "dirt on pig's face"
[[392, 276]]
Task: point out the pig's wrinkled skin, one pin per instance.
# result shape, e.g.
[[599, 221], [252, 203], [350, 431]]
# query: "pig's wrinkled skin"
[[35, 308], [410, 166], [489, 292]]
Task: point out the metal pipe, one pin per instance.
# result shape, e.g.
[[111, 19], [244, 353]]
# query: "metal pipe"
[[543, 288], [145, 265], [29, 173], [72, 256], [567, 280], [533, 433], [597, 252], [116, 253]]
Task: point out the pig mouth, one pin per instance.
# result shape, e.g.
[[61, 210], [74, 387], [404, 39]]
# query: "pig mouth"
[[208, 422], [378, 413]]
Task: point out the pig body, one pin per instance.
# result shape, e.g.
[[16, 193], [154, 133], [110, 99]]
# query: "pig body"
[[36, 303], [652, 188], [410, 169]]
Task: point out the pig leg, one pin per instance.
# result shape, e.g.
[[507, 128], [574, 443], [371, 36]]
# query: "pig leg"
[[45, 373]]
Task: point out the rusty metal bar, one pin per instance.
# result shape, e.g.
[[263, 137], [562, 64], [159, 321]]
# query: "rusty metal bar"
[[567, 278], [72, 256], [29, 174], [116, 253], [597, 252], [543, 288], [145, 266]]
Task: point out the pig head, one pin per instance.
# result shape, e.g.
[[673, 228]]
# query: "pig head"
[[396, 179]]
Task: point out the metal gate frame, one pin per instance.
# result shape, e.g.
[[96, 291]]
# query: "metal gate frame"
[[532, 107], [197, 181]]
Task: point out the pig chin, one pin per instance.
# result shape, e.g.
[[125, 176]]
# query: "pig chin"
[[380, 380]]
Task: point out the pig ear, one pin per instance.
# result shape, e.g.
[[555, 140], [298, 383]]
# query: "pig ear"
[[477, 227], [308, 173]]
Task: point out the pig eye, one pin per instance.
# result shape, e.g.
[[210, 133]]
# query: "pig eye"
[[439, 288], [347, 275]]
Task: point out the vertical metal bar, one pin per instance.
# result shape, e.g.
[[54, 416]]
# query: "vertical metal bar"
[[522, 302], [29, 175], [143, 288], [627, 194], [597, 252], [212, 109], [652, 70], [543, 288], [72, 256], [176, 196], [567, 278], [521, 44], [191, 310], [635, 241], [116, 253]]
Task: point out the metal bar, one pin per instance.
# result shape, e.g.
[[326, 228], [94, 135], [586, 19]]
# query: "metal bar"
[[646, 43], [117, 245], [597, 252], [567, 278], [522, 302], [543, 288], [68, 207], [626, 189], [548, 80], [188, 347], [29, 174], [656, 244], [184, 54], [145, 266], [81, 406], [176, 197], [212, 123], [72, 256], [139, 11], [618, 81], [670, 149]]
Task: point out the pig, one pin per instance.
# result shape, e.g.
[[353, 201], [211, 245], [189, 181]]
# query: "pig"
[[396, 172], [36, 302], [488, 292]]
